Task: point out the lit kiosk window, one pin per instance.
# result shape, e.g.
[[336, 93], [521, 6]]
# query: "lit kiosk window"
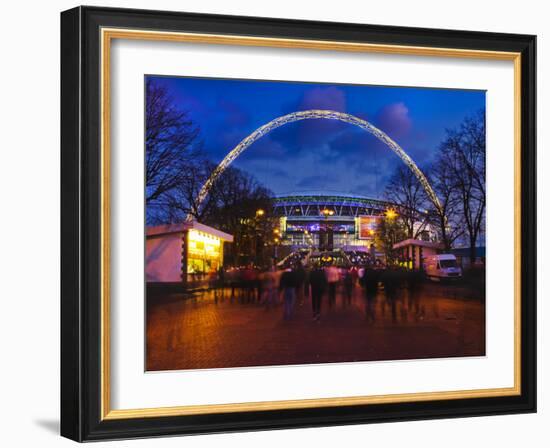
[[205, 252], [183, 254]]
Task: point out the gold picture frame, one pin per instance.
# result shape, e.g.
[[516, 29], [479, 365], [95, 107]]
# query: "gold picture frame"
[[106, 30]]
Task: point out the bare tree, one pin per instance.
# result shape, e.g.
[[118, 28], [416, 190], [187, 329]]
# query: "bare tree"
[[233, 206], [234, 197], [181, 201], [176, 170], [409, 195], [171, 148], [462, 159], [448, 217]]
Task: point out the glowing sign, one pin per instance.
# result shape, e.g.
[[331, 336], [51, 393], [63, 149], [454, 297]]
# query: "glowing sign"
[[201, 243], [367, 226]]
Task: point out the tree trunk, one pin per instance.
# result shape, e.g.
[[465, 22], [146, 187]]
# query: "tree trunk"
[[444, 237], [472, 251]]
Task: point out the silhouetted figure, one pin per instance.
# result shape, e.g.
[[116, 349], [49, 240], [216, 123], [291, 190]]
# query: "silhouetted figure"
[[390, 280], [306, 283], [332, 279], [269, 287], [287, 286], [300, 273], [348, 286], [250, 277], [213, 283], [371, 279], [221, 281], [354, 275], [414, 286], [318, 285]]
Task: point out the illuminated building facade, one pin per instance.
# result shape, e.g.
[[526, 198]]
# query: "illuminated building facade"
[[183, 253], [327, 221]]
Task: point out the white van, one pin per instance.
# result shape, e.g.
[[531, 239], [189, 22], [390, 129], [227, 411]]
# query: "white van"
[[442, 266]]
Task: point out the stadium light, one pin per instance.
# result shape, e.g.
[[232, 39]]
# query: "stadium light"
[[391, 213]]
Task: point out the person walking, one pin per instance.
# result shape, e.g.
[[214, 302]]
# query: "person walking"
[[250, 280], [318, 285], [332, 278], [269, 287], [213, 283], [414, 286], [371, 279], [390, 281], [221, 282], [306, 283], [300, 274], [287, 285], [348, 286]]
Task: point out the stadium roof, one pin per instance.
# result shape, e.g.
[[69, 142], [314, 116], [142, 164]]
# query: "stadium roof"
[[312, 204], [325, 193]]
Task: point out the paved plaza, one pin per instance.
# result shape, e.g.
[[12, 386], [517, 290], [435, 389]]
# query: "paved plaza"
[[205, 331]]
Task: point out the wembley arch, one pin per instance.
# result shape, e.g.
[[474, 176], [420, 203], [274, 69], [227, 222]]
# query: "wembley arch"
[[314, 114]]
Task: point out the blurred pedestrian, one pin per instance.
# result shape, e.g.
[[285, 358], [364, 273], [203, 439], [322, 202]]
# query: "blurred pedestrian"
[[348, 286], [221, 282], [371, 278], [389, 279], [306, 283], [213, 283], [287, 285], [360, 274], [300, 274], [269, 287], [318, 285], [414, 286], [250, 277], [354, 276], [332, 278]]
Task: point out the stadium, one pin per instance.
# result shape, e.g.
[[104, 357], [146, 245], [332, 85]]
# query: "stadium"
[[328, 221], [341, 226]]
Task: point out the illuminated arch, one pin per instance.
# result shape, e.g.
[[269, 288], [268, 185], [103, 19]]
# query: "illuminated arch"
[[308, 115]]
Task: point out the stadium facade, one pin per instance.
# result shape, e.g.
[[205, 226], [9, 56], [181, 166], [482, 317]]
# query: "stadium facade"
[[330, 221]]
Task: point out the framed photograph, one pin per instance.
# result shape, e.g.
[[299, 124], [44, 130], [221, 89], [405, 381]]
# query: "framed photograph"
[[276, 224]]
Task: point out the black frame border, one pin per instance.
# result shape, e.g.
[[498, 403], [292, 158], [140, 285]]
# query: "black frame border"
[[81, 223]]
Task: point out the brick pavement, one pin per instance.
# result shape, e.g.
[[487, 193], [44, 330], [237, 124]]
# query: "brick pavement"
[[199, 333]]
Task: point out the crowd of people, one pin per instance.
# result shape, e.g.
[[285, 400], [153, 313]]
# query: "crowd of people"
[[319, 283]]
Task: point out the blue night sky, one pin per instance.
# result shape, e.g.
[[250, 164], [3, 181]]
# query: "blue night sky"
[[320, 155]]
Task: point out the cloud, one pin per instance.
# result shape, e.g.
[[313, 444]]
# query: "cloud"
[[311, 154], [311, 133], [358, 144], [266, 149], [394, 120]]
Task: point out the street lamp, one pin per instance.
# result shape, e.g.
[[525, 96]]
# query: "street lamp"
[[258, 236], [276, 242], [327, 234], [391, 213]]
